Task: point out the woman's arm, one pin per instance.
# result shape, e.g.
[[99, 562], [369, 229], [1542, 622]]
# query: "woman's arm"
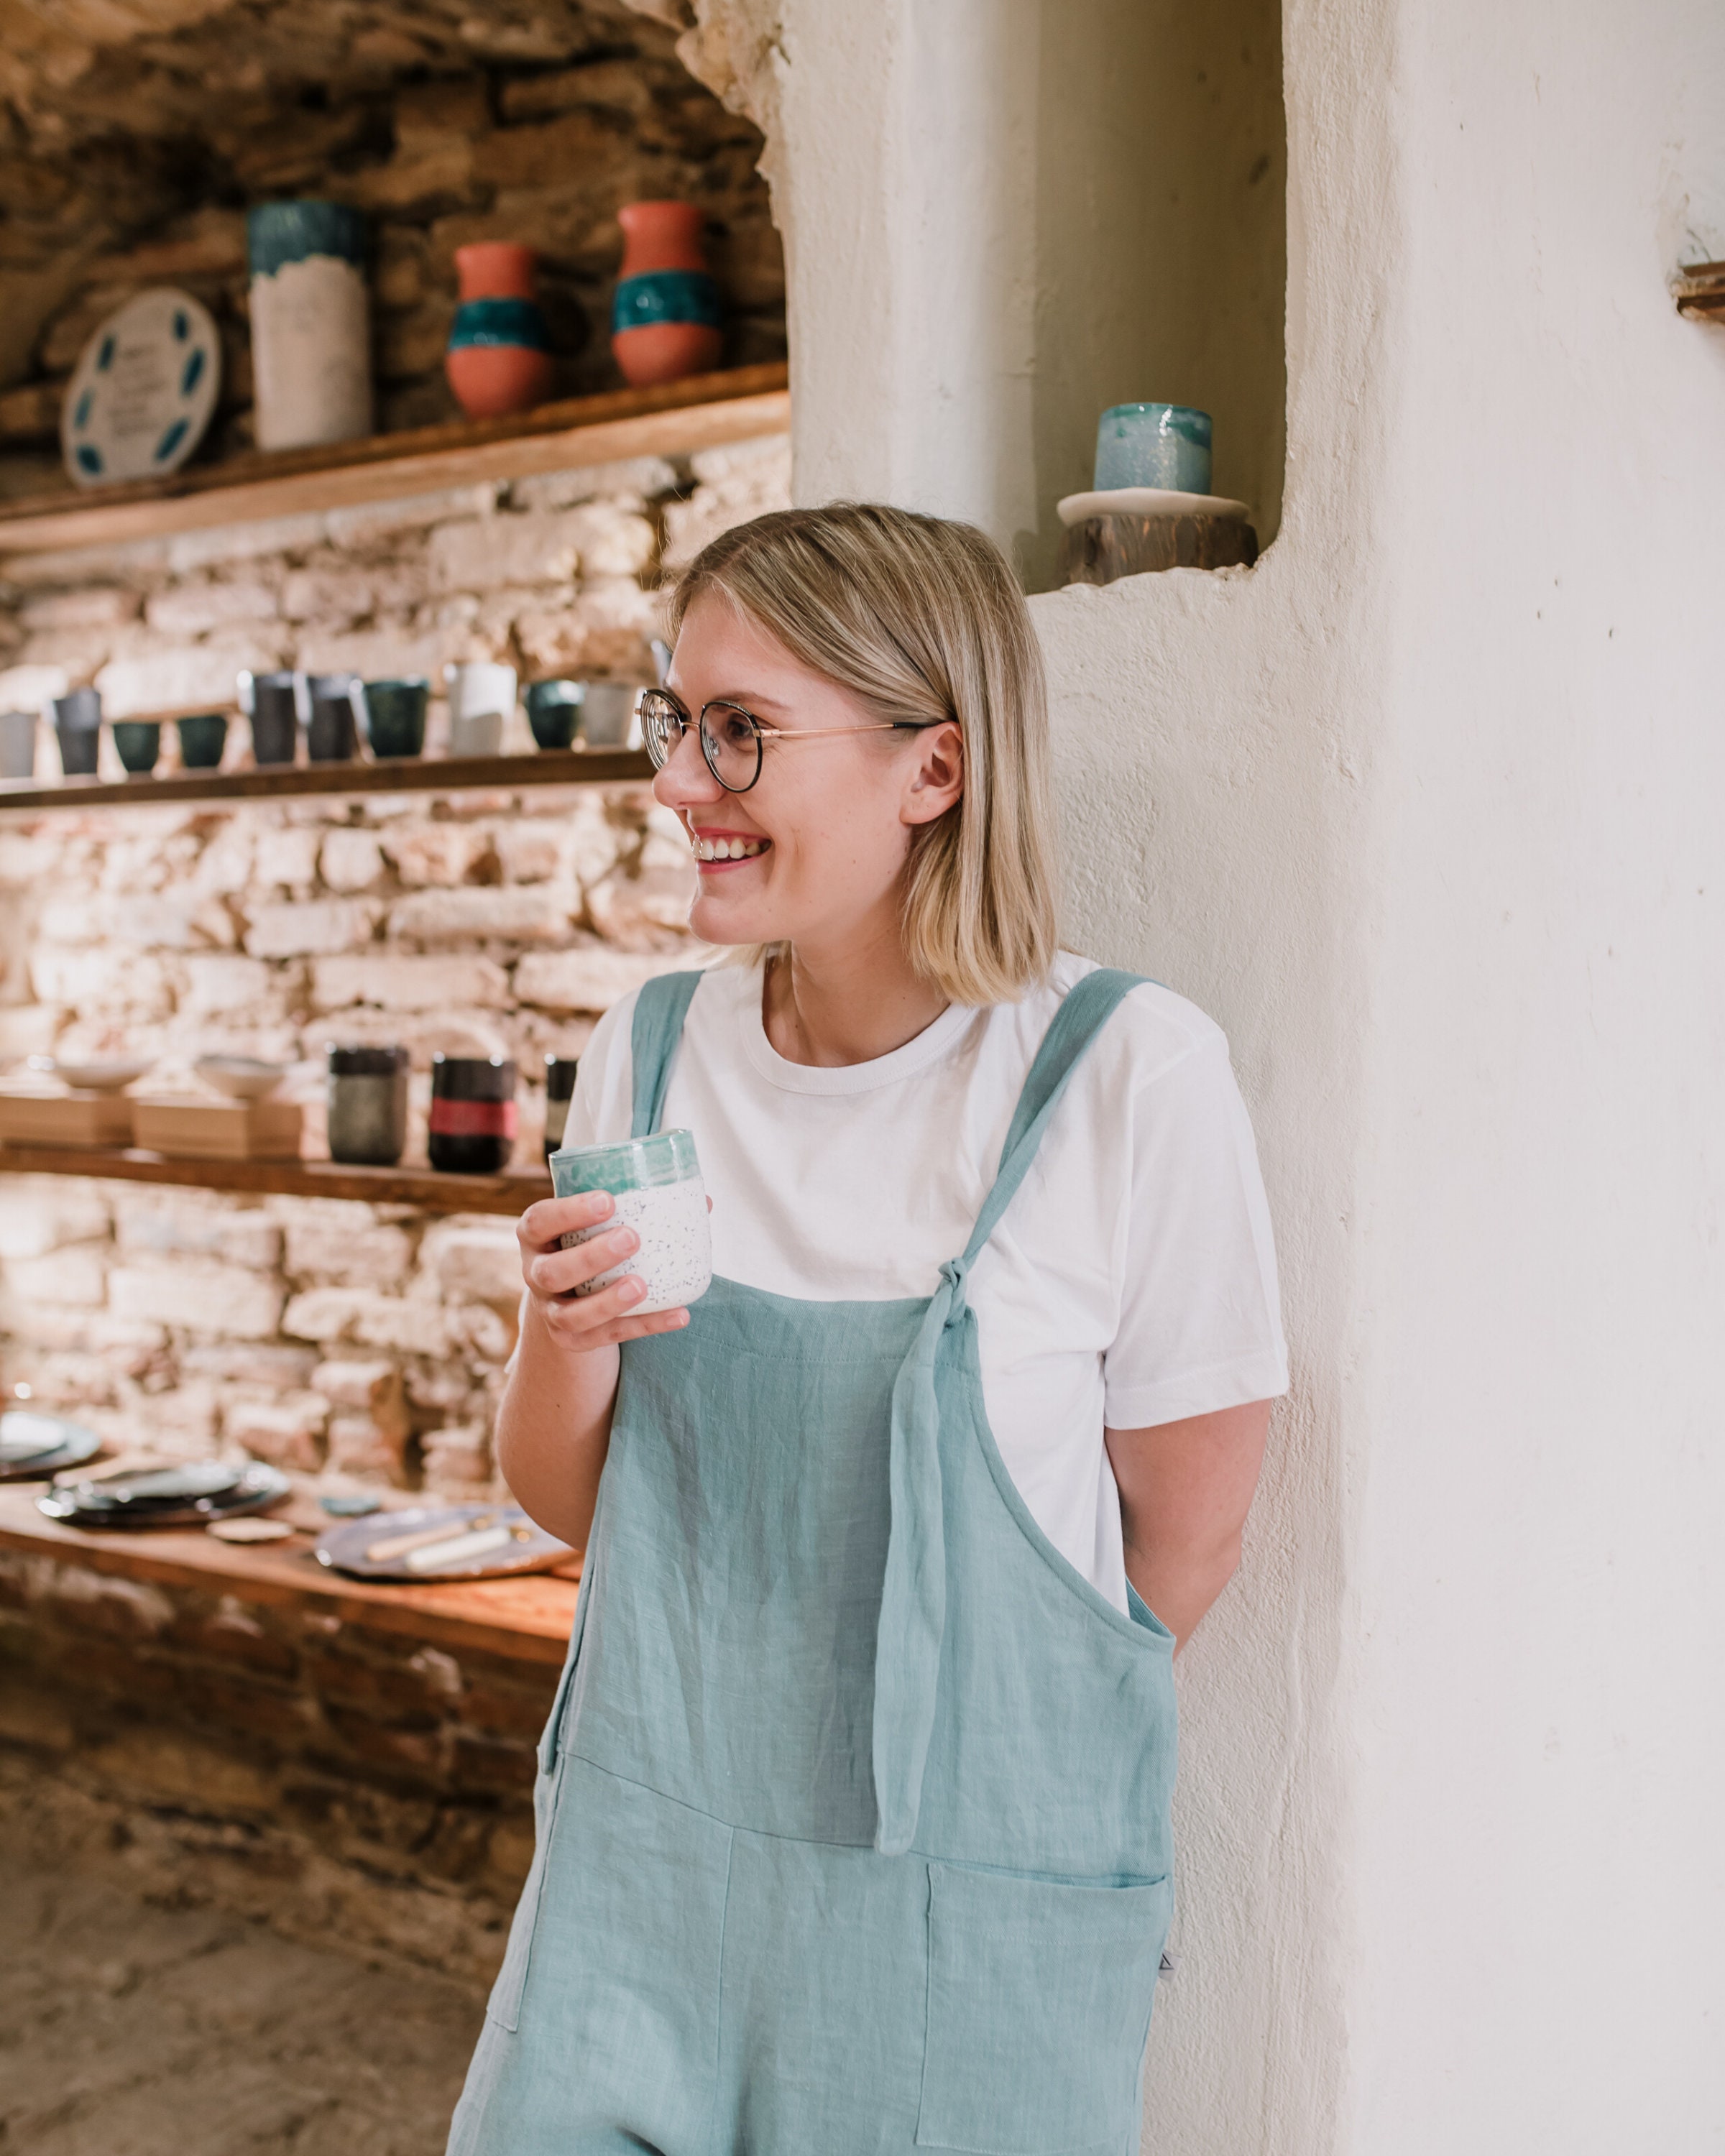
[[554, 1425], [1185, 1489]]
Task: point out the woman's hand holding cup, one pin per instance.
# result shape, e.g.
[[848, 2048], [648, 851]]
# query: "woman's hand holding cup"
[[577, 1321]]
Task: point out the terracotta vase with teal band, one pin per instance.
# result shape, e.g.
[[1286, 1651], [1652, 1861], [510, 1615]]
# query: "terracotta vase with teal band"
[[665, 318], [499, 359]]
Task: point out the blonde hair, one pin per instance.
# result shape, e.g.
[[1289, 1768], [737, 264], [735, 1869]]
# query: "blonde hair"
[[921, 620]]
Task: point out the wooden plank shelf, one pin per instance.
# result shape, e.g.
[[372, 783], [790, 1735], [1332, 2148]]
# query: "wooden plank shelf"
[[671, 419], [1700, 290], [509, 1193], [449, 774]]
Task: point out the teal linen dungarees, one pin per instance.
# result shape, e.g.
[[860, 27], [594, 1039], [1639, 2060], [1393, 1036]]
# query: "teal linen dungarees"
[[853, 1807]]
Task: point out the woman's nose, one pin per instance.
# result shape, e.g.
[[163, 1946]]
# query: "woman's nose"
[[683, 779]]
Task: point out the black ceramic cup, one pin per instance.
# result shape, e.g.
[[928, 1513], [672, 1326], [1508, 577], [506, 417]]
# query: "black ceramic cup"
[[332, 736], [395, 712], [559, 1090], [473, 1116], [554, 712], [139, 742], [77, 722], [276, 718], [202, 737], [367, 1105]]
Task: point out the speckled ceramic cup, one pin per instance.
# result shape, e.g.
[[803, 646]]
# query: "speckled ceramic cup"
[[659, 1192]]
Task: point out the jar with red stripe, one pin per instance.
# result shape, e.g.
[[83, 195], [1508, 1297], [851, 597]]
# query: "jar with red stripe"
[[472, 1128]]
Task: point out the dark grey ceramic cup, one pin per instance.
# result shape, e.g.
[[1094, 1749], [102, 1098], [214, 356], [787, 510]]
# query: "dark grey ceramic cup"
[[554, 712], [78, 723], [333, 734], [202, 737], [276, 718], [139, 742], [395, 711]]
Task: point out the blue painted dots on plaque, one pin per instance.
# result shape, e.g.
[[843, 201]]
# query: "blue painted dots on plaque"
[[88, 460], [80, 414], [104, 357], [171, 441], [183, 325], [191, 373]]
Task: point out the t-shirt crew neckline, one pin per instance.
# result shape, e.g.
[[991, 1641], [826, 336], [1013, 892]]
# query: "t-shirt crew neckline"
[[935, 1039]]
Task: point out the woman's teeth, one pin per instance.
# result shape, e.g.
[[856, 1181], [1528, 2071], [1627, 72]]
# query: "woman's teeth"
[[727, 849]]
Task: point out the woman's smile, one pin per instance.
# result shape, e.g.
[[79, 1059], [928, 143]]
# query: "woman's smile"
[[715, 850]]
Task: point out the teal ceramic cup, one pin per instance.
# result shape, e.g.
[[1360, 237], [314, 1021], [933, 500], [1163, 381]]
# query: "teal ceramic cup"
[[554, 711], [656, 1188], [203, 738], [1163, 445], [395, 716], [139, 742]]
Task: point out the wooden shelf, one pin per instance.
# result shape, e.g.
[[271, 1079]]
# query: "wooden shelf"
[[672, 418], [407, 774], [526, 1619], [510, 1193]]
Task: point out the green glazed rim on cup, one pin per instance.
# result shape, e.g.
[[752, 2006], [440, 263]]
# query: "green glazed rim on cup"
[[635, 1164]]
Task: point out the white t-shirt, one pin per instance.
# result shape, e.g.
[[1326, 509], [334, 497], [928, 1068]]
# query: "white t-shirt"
[[1132, 1280]]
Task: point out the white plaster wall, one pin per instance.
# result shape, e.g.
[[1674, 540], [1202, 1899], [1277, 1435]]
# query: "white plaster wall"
[[1426, 808]]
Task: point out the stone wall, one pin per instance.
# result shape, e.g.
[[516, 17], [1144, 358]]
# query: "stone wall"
[[136, 140], [347, 1340]]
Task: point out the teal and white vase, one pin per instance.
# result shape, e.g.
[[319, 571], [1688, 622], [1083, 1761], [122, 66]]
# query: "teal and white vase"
[[311, 345]]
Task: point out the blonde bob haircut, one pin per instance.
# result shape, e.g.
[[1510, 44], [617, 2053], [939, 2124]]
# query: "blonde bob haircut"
[[921, 620]]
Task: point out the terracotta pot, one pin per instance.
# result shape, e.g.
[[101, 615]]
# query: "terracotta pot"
[[664, 319], [499, 359]]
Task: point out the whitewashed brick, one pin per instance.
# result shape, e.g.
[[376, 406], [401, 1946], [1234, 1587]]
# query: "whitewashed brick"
[[265, 1366], [182, 677], [411, 1327], [436, 853], [532, 852], [347, 1254], [38, 1216], [372, 520], [457, 1460], [117, 981], [220, 983], [75, 1276], [29, 688], [372, 1388], [332, 597], [590, 977], [358, 1448], [535, 913], [26, 859], [195, 609], [351, 859], [402, 983], [188, 551], [287, 1431], [322, 1313], [627, 484], [310, 929], [476, 1264], [539, 546], [91, 605], [637, 912], [203, 1298], [288, 857], [484, 1329], [154, 1223]]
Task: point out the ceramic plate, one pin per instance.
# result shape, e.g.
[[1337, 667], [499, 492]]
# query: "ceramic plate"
[[189, 1496], [240, 1077], [33, 1446], [106, 1077], [450, 1542], [143, 390], [1147, 501]]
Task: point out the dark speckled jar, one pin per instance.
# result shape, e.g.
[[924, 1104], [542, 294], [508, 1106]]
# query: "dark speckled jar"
[[473, 1114], [559, 1090], [367, 1105]]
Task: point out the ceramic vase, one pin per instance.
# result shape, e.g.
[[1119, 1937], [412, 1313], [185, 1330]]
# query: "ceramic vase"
[[1159, 445], [311, 357], [665, 319], [499, 359]]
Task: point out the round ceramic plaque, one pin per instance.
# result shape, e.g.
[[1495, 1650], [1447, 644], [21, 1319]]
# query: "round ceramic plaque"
[[143, 390]]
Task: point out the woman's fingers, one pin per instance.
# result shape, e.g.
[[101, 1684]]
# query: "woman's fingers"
[[543, 1226], [603, 1320], [559, 1272]]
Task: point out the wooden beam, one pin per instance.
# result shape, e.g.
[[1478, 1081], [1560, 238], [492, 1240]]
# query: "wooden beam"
[[509, 1193], [1700, 289], [672, 419]]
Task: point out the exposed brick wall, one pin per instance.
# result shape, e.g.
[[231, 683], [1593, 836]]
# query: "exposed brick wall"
[[346, 1340], [332, 1777]]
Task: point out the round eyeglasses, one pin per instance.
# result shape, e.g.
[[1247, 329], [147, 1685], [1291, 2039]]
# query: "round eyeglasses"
[[731, 737]]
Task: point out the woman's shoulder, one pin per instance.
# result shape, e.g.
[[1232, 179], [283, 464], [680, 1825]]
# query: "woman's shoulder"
[[1151, 1030]]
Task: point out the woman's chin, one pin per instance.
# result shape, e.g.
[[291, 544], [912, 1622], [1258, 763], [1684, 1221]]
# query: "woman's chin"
[[714, 921]]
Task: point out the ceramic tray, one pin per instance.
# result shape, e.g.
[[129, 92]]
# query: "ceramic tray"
[[189, 1496], [446, 1544], [1147, 501], [35, 1447]]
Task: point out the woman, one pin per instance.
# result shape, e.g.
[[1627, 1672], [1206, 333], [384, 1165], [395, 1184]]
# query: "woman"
[[853, 1803]]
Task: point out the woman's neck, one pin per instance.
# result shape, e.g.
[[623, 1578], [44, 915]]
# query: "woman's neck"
[[829, 1008]]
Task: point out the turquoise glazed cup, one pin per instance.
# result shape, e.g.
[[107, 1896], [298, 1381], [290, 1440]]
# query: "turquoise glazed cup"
[[139, 742], [656, 1189], [395, 713], [201, 740], [1161, 445], [554, 711]]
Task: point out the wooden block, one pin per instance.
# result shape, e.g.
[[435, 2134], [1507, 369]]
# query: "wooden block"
[[195, 1128], [36, 1116], [1101, 548]]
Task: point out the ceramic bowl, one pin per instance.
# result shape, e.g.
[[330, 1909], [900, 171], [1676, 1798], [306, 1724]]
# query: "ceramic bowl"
[[107, 1075], [240, 1077]]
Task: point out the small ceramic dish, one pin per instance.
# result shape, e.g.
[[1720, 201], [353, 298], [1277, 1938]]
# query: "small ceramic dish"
[[1147, 501], [108, 1076], [250, 1530], [429, 1544], [240, 1077], [183, 1496], [350, 1504], [34, 1447]]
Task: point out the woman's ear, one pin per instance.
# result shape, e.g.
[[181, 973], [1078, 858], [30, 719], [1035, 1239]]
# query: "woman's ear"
[[934, 778]]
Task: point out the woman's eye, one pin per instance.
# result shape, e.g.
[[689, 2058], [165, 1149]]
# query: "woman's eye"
[[734, 728]]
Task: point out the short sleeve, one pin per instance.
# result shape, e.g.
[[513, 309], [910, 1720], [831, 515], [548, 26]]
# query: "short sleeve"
[[1200, 1323], [601, 1109]]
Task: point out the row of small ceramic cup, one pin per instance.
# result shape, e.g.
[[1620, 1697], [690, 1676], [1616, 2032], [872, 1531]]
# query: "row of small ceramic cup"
[[390, 714]]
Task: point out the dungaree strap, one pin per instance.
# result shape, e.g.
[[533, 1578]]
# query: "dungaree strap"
[[660, 1007], [913, 1601]]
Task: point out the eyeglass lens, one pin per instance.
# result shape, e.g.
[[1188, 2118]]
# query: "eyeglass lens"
[[730, 739]]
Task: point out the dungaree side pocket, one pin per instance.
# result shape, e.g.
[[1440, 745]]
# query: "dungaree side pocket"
[[504, 2006], [1039, 2003]]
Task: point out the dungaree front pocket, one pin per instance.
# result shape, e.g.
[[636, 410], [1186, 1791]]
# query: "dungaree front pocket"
[[504, 2005], [1039, 1994]]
